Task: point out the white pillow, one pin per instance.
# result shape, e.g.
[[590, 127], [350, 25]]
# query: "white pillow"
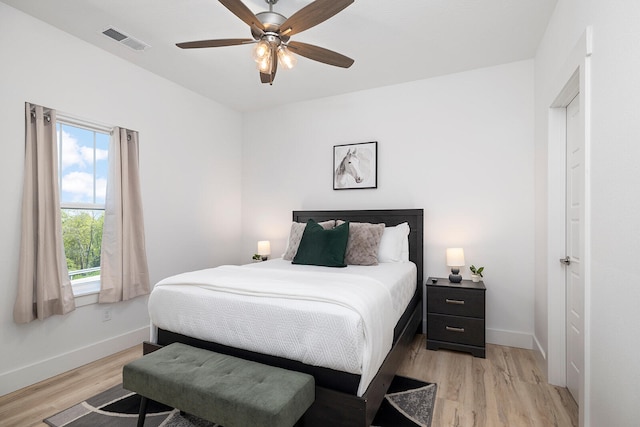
[[404, 254], [394, 245]]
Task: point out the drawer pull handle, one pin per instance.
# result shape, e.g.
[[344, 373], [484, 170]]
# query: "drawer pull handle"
[[454, 301], [452, 329]]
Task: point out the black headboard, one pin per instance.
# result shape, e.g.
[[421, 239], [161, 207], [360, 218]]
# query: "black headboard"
[[390, 217]]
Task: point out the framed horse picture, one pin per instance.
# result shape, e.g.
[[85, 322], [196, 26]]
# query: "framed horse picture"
[[355, 166]]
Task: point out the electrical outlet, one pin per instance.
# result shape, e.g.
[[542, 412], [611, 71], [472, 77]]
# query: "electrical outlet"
[[106, 314]]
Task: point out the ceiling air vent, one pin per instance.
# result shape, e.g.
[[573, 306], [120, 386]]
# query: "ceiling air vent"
[[124, 39]]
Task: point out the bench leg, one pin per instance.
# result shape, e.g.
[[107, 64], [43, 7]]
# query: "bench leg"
[[143, 411]]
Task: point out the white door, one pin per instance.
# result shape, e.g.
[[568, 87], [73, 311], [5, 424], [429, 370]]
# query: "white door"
[[575, 212]]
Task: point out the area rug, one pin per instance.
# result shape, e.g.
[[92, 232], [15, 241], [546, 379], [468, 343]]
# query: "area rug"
[[408, 403]]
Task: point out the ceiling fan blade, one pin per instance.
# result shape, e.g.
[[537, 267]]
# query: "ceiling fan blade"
[[311, 15], [265, 78], [269, 78], [213, 43], [320, 54], [243, 12]]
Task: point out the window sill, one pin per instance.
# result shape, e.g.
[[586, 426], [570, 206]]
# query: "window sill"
[[85, 291]]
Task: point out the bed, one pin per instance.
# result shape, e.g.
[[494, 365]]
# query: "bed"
[[347, 393]]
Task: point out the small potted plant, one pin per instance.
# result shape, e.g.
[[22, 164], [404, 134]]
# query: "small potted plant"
[[476, 273], [256, 258]]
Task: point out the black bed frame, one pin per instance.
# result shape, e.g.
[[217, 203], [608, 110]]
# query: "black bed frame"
[[336, 403]]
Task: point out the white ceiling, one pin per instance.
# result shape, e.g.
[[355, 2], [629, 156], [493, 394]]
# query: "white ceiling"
[[392, 41]]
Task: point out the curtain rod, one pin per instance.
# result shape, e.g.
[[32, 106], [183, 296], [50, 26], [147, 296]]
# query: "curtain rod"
[[65, 119], [81, 123]]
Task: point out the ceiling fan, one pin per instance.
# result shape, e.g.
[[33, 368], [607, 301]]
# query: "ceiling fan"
[[271, 33]]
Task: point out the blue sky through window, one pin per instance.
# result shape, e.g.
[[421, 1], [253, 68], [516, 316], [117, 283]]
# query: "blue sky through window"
[[83, 164]]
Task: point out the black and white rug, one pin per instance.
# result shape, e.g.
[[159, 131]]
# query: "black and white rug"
[[408, 403]]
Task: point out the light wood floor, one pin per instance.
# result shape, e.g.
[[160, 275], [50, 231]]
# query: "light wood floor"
[[29, 406], [505, 389]]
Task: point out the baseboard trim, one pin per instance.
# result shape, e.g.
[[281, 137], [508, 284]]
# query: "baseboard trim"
[[538, 348], [540, 357], [510, 338], [28, 375]]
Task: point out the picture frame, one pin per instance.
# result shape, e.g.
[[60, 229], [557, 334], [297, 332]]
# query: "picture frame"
[[355, 166]]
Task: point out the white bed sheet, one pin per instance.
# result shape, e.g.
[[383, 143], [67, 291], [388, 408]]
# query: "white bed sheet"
[[312, 332]]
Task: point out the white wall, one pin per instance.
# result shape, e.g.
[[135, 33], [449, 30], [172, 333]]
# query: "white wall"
[[611, 369], [190, 158], [459, 146]]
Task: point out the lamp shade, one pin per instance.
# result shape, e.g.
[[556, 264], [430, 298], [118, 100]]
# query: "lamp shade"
[[455, 257], [264, 248], [261, 50], [287, 59]]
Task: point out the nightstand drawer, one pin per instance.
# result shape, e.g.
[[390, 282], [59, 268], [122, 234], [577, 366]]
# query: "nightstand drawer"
[[458, 302], [461, 330]]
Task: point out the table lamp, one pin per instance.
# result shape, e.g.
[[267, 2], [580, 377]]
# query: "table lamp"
[[455, 260], [264, 249]]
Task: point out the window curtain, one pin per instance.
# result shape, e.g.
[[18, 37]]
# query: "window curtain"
[[44, 288], [123, 260]]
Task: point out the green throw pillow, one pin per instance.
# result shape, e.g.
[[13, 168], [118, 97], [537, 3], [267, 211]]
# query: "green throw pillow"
[[322, 247]]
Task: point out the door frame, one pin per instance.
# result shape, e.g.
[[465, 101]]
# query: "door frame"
[[574, 79]]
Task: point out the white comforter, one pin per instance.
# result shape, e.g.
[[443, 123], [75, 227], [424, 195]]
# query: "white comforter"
[[326, 317]]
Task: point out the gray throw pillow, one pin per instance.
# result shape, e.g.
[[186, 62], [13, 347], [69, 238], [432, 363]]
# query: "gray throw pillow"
[[364, 241]]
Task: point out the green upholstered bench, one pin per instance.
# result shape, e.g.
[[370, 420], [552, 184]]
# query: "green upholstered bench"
[[223, 389]]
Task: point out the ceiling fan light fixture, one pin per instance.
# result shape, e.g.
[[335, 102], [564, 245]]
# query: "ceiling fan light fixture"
[[287, 59], [265, 63], [261, 50]]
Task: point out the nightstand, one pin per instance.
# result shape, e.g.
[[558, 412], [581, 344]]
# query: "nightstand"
[[456, 316]]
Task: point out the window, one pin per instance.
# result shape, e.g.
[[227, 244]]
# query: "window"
[[83, 151]]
